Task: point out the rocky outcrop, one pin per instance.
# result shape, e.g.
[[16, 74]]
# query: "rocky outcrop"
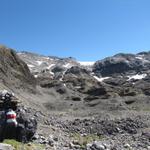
[[121, 64], [39, 64], [27, 120]]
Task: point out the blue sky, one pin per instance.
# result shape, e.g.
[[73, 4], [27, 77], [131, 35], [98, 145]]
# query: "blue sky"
[[85, 29]]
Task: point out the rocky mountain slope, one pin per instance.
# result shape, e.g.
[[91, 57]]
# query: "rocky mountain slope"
[[118, 76], [123, 64], [75, 104], [14, 73], [112, 88]]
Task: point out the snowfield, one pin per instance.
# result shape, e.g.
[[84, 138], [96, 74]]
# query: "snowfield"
[[100, 79], [86, 63], [137, 76]]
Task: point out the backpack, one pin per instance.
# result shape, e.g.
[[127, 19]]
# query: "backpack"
[[11, 117]]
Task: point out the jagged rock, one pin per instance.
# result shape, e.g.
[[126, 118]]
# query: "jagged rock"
[[50, 83], [121, 64], [97, 145], [52, 65], [143, 86], [28, 122], [61, 90], [115, 81], [77, 70], [97, 91], [58, 69], [128, 92]]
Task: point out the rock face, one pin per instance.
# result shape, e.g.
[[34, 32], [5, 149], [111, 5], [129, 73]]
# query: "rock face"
[[39, 65], [122, 63], [26, 120]]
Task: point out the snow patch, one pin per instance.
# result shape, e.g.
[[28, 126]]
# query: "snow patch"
[[30, 66], [140, 58], [61, 79], [100, 79], [47, 58], [52, 73], [39, 62], [92, 73], [50, 66], [68, 65], [137, 76], [86, 63], [51, 59], [36, 76], [20, 53], [77, 87]]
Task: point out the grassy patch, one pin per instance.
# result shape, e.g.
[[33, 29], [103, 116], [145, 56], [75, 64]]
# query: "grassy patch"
[[146, 109], [21, 146], [84, 140]]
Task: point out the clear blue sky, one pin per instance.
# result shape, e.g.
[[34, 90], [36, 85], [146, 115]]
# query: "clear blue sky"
[[85, 29]]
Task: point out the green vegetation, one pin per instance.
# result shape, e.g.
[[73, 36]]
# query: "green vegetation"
[[146, 109], [84, 140], [21, 146]]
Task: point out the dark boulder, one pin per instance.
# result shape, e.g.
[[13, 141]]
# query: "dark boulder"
[[57, 69], [77, 70], [97, 91]]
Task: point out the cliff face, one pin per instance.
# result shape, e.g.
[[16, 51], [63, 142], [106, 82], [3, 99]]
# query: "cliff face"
[[14, 73], [123, 64]]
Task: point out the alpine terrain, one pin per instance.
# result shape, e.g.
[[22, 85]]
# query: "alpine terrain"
[[102, 105]]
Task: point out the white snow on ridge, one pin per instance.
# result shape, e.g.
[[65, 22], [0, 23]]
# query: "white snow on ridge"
[[50, 66], [137, 76], [61, 79], [20, 53], [100, 79], [139, 58], [47, 58], [86, 63], [52, 73], [39, 62], [30, 66], [68, 65]]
